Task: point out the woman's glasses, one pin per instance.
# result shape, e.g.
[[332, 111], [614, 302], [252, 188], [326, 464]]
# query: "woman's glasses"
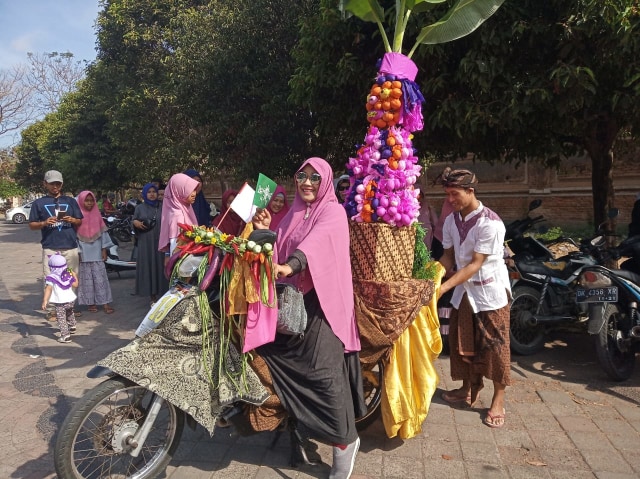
[[314, 178], [343, 188]]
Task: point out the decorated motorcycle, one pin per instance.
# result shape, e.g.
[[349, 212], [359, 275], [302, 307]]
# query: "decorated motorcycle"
[[188, 365]]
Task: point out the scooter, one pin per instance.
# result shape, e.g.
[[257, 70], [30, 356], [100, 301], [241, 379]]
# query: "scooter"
[[612, 297], [113, 262]]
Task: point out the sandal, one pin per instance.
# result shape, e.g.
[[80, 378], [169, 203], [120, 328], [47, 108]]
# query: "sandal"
[[92, 309], [495, 420], [452, 398], [64, 339], [108, 309]]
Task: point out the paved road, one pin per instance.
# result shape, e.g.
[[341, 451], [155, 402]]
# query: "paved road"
[[564, 419]]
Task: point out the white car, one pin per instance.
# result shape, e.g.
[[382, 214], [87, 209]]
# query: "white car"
[[19, 214]]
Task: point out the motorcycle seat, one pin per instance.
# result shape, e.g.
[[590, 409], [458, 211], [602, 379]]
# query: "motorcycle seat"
[[633, 277], [547, 268]]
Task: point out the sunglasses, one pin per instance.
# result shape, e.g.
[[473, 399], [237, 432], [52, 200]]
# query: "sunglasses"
[[343, 188], [314, 178]]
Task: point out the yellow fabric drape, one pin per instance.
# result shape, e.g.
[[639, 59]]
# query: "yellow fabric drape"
[[241, 289], [410, 377]]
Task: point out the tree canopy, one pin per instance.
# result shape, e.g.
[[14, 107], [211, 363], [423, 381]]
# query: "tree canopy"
[[237, 87], [541, 79]]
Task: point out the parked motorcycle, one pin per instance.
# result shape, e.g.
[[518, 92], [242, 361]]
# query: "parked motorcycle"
[[120, 227], [544, 288], [123, 429], [612, 297]]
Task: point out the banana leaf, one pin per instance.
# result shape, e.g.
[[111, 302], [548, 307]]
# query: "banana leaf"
[[461, 19]]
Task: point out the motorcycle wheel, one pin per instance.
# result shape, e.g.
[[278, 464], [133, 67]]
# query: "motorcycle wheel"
[[122, 235], [525, 339], [92, 442], [618, 365], [372, 378]]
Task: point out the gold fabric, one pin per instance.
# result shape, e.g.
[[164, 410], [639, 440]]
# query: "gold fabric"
[[410, 377]]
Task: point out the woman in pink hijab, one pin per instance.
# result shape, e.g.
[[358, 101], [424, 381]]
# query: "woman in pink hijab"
[[179, 195], [317, 375], [278, 207], [93, 243]]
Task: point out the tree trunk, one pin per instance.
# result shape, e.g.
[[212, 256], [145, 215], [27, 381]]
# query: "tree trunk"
[[599, 140]]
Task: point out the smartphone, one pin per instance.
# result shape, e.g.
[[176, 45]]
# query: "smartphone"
[[61, 214]]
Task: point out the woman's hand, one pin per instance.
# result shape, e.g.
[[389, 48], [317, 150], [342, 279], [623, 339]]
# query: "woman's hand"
[[139, 225], [261, 219], [283, 270]]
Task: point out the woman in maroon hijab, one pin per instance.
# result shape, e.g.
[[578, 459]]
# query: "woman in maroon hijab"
[[228, 221], [278, 207], [317, 375]]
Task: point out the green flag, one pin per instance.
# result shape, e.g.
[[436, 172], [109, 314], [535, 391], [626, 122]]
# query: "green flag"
[[264, 190]]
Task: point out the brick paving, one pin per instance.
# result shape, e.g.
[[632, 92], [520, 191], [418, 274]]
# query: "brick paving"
[[564, 418]]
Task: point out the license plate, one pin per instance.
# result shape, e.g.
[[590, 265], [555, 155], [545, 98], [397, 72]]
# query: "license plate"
[[597, 295]]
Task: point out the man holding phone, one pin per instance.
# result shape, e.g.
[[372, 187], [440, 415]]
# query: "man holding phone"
[[57, 217]]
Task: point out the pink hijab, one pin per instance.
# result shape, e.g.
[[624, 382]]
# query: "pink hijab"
[[92, 225], [324, 239], [175, 208], [276, 218]]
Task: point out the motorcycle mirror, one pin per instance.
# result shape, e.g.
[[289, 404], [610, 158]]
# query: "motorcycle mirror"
[[263, 236], [613, 212], [535, 204]]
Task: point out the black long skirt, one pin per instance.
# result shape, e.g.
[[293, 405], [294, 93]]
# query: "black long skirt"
[[316, 381]]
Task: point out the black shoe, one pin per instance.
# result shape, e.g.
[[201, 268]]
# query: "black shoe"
[[303, 450]]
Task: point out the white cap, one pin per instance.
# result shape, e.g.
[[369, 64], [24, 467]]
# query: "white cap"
[[53, 176]]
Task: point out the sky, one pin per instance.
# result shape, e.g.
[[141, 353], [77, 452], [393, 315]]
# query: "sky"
[[45, 26], [40, 26]]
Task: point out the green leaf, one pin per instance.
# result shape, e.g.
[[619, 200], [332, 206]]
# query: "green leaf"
[[367, 10], [462, 19], [411, 4], [420, 6]]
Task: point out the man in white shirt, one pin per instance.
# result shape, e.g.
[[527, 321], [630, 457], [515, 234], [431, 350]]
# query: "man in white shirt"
[[473, 241]]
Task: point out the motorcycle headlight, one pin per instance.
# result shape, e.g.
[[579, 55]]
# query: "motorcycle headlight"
[[594, 279]]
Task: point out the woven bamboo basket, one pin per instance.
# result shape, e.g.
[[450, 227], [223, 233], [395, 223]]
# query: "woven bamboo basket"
[[381, 252]]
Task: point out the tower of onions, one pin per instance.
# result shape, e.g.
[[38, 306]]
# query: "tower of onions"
[[385, 168], [382, 202]]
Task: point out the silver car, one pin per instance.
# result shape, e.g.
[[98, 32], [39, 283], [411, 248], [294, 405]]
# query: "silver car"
[[19, 214]]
